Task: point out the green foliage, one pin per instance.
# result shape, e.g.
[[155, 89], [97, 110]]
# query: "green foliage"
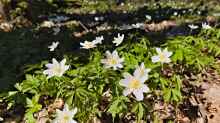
[[85, 83]]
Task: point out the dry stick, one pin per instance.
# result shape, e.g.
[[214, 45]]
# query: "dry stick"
[[84, 27]]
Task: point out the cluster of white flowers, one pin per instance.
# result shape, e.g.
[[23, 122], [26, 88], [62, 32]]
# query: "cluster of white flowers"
[[206, 26], [92, 44], [98, 40], [134, 84]]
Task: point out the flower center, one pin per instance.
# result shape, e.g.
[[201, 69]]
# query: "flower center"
[[162, 57], [57, 70], [66, 119], [135, 84], [113, 61], [89, 45]]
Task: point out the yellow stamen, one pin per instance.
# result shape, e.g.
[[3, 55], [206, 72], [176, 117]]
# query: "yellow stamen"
[[135, 84]]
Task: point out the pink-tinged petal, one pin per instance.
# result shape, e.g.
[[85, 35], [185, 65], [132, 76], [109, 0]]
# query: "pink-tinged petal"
[[158, 50], [145, 88], [125, 82], [49, 65], [138, 94], [115, 53], [137, 72], [143, 78], [127, 91], [120, 66], [155, 59]]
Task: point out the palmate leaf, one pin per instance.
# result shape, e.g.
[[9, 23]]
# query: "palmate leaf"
[[118, 106]]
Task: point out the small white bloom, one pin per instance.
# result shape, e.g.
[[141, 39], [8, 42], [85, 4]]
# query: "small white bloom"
[[98, 40], [135, 84], [118, 40], [53, 46], [206, 26], [48, 24], [56, 30], [96, 18], [193, 26], [88, 45], [56, 68], [112, 60], [138, 25], [163, 56], [65, 116], [148, 17], [175, 13]]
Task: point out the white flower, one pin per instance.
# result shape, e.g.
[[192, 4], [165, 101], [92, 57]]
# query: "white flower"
[[112, 60], [163, 56], [56, 30], [48, 24], [138, 25], [88, 45], [148, 17], [118, 40], [206, 26], [65, 116], [193, 26], [135, 84], [53, 46], [56, 68], [175, 13], [98, 40]]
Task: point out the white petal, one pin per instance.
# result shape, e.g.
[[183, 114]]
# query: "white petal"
[[66, 107], [74, 111], [145, 88], [138, 94], [155, 59], [73, 121], [120, 66], [108, 54], [49, 65], [63, 62], [115, 53], [55, 62], [127, 91], [158, 50]]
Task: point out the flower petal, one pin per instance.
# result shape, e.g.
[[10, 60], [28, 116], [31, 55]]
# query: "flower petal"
[[127, 91], [155, 59], [138, 94]]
